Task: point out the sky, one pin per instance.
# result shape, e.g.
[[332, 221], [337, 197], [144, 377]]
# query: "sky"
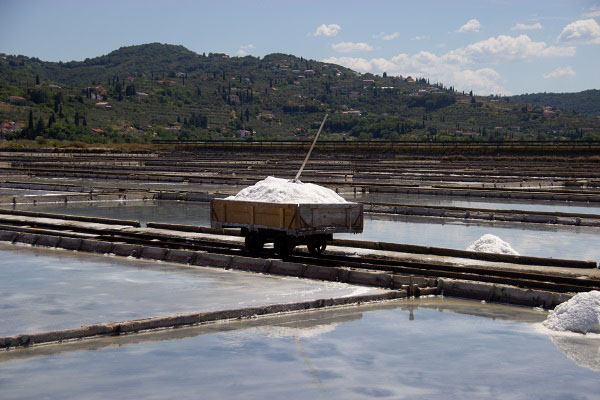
[[488, 46]]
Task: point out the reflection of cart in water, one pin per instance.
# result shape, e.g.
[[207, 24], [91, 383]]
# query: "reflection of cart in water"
[[286, 225]]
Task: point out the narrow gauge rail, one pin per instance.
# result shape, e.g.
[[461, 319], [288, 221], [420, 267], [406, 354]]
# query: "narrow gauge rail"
[[552, 282]]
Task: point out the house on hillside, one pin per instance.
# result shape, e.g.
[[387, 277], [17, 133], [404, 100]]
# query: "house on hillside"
[[7, 127], [233, 99], [466, 133], [103, 104], [17, 99]]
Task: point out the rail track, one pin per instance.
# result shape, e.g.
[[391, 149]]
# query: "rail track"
[[115, 232]]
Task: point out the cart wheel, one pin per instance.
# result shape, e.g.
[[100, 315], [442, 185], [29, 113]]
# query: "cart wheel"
[[316, 248], [283, 247], [253, 243]]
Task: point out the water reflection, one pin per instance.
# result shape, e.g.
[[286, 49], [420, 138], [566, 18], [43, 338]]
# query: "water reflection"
[[451, 349], [539, 240], [478, 202], [583, 350], [43, 289]]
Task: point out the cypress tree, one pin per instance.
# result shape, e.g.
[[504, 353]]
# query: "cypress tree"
[[30, 125], [51, 120], [39, 127]]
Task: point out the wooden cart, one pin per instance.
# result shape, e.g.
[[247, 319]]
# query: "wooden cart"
[[286, 225]]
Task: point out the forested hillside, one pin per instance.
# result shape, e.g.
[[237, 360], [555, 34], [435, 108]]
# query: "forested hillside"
[[586, 102], [158, 91]]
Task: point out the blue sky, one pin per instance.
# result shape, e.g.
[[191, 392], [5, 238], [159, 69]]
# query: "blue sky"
[[489, 46]]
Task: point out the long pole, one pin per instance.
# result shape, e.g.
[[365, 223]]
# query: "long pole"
[[311, 149]]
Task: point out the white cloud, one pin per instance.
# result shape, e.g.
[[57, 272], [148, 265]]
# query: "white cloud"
[[425, 64], [582, 31], [387, 36], [383, 65], [455, 67], [472, 25], [561, 72], [419, 38], [593, 13], [327, 30], [349, 47], [357, 64], [243, 51], [506, 48], [525, 27]]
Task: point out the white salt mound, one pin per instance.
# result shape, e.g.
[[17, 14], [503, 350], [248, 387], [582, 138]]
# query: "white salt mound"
[[580, 314], [277, 190], [489, 243]]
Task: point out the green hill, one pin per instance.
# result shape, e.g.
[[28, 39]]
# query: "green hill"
[[160, 91], [586, 102]]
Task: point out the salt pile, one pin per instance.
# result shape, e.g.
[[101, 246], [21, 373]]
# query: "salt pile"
[[277, 190], [489, 243], [580, 314]]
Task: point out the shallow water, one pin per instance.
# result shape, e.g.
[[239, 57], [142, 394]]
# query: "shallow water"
[[43, 289], [539, 240], [452, 201], [428, 348], [479, 202], [528, 239], [139, 184], [172, 212]]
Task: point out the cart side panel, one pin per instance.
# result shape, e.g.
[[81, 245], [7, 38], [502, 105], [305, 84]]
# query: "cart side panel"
[[338, 217], [253, 214]]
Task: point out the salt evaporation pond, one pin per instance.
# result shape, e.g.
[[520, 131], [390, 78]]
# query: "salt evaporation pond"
[[426, 348], [173, 212], [453, 201], [136, 184], [528, 239], [43, 289], [477, 202], [539, 240]]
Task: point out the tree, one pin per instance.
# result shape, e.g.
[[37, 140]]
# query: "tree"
[[51, 120], [37, 79], [39, 127], [30, 125]]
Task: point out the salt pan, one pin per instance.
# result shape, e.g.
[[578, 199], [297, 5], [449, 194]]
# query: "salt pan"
[[489, 243], [580, 314], [277, 190]]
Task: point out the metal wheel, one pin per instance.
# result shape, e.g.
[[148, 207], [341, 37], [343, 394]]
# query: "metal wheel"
[[316, 248], [253, 242], [283, 247]]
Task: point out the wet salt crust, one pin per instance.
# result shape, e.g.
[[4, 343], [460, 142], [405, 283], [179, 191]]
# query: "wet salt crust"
[[489, 243], [580, 314], [277, 190]]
